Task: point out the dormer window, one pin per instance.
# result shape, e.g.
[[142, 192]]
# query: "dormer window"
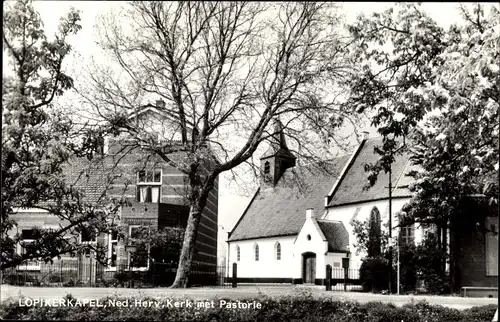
[[149, 185]]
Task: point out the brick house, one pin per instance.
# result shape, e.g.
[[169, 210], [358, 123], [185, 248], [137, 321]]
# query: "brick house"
[[301, 219], [156, 198]]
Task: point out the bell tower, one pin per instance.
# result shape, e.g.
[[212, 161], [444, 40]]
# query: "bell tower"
[[276, 159]]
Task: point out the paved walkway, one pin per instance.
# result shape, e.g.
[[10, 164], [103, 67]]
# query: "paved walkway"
[[240, 293]]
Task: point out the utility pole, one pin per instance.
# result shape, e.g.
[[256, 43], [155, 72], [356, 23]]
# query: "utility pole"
[[390, 229]]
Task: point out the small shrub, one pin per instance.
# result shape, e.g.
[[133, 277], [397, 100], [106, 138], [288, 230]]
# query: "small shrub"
[[54, 278], [299, 307], [480, 313], [408, 268], [374, 274]]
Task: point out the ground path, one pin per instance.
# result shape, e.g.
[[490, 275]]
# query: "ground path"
[[240, 293]]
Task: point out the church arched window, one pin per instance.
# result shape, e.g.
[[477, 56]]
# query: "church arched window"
[[256, 252]]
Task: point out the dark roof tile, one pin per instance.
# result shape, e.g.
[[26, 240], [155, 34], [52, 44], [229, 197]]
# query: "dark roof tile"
[[350, 189], [336, 234], [280, 211]]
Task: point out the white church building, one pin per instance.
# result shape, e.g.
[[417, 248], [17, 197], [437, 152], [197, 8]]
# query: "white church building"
[[301, 218]]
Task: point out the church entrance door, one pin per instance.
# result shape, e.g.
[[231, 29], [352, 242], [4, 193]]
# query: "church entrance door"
[[309, 268]]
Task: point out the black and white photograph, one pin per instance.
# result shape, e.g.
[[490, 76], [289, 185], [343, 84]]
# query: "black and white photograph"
[[250, 161]]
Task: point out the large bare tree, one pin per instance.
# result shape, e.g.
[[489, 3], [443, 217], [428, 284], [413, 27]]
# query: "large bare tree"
[[226, 70]]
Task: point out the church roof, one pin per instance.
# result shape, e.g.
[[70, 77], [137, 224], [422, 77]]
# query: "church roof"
[[336, 234], [350, 189], [279, 211]]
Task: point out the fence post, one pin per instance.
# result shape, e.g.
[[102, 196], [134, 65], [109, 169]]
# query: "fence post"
[[345, 266], [328, 279], [346, 276], [90, 270], [235, 275]]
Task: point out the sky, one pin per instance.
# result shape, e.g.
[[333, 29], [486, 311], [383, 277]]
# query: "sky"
[[231, 205]]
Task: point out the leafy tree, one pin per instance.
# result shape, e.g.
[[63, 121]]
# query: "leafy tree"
[[38, 140], [223, 68], [160, 246], [370, 239], [433, 93]]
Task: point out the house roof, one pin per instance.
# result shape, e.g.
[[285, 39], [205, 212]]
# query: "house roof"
[[280, 211], [91, 177], [350, 188], [336, 234]]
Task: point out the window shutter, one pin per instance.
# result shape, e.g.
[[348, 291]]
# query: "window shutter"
[[137, 194]]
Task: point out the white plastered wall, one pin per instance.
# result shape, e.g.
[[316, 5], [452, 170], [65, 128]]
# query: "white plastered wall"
[[268, 266], [346, 212]]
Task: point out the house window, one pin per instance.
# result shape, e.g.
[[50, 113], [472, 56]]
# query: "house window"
[[267, 167], [256, 249], [139, 259], [27, 237], [238, 253], [491, 246], [112, 248], [149, 186], [336, 264], [278, 251], [407, 234]]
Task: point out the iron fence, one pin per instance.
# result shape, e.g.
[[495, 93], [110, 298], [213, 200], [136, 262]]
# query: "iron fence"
[[345, 279], [90, 273]]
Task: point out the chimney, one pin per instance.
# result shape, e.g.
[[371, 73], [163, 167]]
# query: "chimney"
[[160, 103], [309, 213], [366, 135]]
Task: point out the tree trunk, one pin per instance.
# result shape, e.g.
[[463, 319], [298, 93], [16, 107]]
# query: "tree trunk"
[[187, 252]]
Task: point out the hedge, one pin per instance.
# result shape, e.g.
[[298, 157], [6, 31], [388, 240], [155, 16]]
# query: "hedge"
[[298, 308]]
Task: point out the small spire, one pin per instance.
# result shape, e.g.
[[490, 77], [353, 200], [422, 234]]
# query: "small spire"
[[278, 144]]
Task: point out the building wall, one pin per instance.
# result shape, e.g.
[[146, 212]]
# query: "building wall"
[[315, 244], [173, 191], [290, 267], [125, 167], [267, 268], [345, 214], [469, 239]]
